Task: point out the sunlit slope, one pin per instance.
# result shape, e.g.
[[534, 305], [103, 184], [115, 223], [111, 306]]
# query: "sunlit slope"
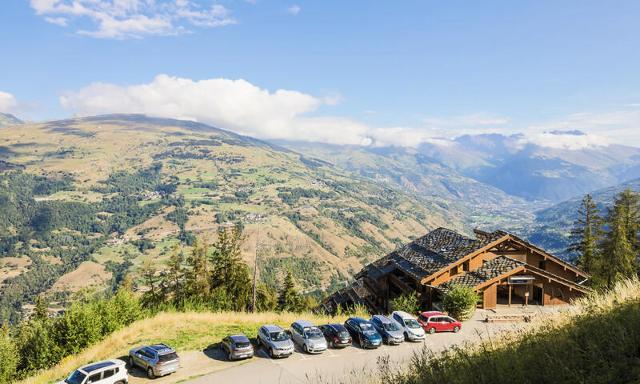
[[301, 213]]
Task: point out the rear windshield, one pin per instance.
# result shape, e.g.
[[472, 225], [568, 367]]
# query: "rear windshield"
[[343, 334], [242, 344], [167, 357]]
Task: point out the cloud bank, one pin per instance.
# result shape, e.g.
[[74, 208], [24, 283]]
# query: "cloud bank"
[[8, 102], [245, 108], [121, 19]]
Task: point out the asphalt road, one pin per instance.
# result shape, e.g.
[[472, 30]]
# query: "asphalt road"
[[338, 365]]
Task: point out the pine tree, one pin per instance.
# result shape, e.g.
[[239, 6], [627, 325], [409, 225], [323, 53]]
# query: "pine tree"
[[40, 311], [630, 203], [229, 272], [175, 276], [198, 281], [289, 299], [587, 234], [619, 257], [152, 296]]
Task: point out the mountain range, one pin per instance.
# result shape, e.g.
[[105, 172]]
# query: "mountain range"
[[88, 200]]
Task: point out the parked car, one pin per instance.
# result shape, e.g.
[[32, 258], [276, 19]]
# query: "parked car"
[[434, 321], [336, 335], [410, 326], [103, 372], [390, 330], [276, 341], [237, 347], [308, 337], [157, 360], [363, 331]]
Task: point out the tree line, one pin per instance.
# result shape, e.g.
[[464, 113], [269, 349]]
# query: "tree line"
[[608, 245], [214, 277]]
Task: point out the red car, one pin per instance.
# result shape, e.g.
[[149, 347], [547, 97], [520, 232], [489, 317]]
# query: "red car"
[[434, 321]]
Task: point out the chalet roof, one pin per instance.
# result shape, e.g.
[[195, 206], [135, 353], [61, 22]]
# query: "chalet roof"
[[490, 270], [434, 251]]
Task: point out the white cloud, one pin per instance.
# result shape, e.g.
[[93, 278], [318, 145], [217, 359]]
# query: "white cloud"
[[294, 9], [236, 105], [602, 128], [245, 108], [120, 19], [8, 102]]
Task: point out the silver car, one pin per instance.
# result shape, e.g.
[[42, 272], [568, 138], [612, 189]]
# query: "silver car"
[[412, 329], [237, 347], [157, 360], [275, 340], [392, 333], [308, 337]]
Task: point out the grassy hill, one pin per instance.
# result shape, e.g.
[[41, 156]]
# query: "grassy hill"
[[86, 200]]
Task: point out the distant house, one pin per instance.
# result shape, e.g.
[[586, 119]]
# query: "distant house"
[[502, 268]]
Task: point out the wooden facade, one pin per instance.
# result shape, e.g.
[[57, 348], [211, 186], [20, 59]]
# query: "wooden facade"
[[502, 268]]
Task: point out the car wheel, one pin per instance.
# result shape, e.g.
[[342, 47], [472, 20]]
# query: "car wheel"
[[456, 329], [230, 356], [131, 363], [271, 354], [406, 336], [432, 330], [332, 344], [305, 348], [150, 373], [360, 342]]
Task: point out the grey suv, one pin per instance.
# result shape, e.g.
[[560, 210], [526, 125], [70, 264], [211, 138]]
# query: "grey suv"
[[237, 347], [276, 341], [308, 337], [390, 330], [157, 360]]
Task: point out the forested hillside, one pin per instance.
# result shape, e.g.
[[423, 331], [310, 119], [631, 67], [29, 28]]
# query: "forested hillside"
[[87, 200]]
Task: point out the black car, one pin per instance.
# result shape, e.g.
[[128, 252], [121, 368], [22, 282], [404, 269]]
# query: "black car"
[[337, 335], [363, 331]]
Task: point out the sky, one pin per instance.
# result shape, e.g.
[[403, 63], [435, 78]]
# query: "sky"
[[343, 72]]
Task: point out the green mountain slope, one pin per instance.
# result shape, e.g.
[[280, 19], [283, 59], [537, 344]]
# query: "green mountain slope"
[[89, 199], [553, 224], [482, 205]]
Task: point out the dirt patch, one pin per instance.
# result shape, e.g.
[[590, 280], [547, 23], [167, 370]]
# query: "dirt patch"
[[13, 266], [87, 275]]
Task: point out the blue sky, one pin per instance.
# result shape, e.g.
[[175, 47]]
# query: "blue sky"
[[374, 69]]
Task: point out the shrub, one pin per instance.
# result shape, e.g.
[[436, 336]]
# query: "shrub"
[[460, 302], [8, 357], [407, 303]]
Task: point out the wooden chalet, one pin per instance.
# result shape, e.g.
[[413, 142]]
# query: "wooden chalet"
[[502, 268]]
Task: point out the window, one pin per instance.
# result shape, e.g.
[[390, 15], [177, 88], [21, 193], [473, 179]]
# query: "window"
[[108, 373], [542, 264], [465, 266], [94, 378]]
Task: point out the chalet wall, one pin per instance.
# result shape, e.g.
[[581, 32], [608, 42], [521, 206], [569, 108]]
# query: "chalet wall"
[[490, 296], [551, 266], [556, 293]]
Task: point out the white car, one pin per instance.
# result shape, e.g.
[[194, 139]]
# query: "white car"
[[102, 372], [410, 326]]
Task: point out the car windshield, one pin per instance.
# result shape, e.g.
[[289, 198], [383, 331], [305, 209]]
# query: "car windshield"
[[391, 327], [167, 357], [313, 333], [279, 336], [411, 323], [366, 327], [75, 378]]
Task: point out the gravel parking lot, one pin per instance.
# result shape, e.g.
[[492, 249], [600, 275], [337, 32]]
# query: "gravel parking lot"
[[211, 366]]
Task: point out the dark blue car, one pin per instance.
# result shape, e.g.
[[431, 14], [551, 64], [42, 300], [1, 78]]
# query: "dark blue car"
[[364, 332]]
